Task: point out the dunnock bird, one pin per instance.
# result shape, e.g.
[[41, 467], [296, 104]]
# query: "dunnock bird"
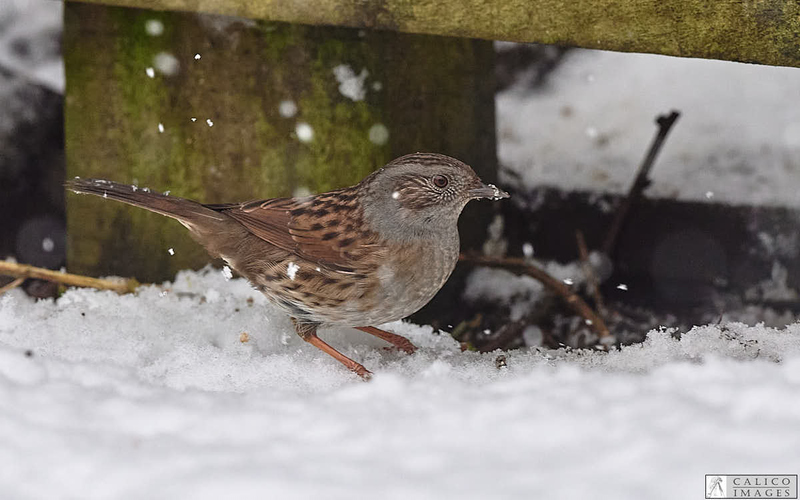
[[358, 256]]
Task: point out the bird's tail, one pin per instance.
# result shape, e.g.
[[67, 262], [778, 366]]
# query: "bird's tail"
[[191, 214]]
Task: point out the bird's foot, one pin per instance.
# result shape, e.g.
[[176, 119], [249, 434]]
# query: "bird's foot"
[[397, 341]]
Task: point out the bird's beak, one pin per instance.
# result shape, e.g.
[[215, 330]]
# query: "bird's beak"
[[488, 191]]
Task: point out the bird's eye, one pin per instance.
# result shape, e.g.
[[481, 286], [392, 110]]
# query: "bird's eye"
[[440, 181]]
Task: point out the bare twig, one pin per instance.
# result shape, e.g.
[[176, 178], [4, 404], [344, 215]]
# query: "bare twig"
[[577, 304], [10, 286], [26, 271], [642, 180], [591, 277]]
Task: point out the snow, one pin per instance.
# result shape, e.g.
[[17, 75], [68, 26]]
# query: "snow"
[[204, 392], [227, 272], [291, 270], [304, 132], [287, 108], [589, 127], [350, 84], [36, 26], [378, 134], [166, 63], [154, 27]]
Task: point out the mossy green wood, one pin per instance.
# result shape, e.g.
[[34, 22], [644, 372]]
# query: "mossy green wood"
[[430, 93], [762, 31]]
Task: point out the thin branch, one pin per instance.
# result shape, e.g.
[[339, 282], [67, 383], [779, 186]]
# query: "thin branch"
[[642, 180], [591, 277], [10, 286], [26, 271], [577, 304]]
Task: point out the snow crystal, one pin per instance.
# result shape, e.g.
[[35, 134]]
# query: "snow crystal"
[[166, 63], [161, 128], [378, 134], [291, 270], [197, 57], [396, 194], [171, 251], [304, 132], [287, 108], [350, 84], [154, 27], [622, 286], [226, 271], [209, 122], [150, 72], [48, 244], [527, 250], [194, 119]]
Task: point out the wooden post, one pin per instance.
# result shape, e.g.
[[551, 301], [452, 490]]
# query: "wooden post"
[[224, 109]]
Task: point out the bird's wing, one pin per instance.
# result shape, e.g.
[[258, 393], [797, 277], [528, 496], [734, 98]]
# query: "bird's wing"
[[327, 229]]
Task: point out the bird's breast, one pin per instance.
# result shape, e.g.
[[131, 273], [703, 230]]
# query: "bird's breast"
[[412, 274]]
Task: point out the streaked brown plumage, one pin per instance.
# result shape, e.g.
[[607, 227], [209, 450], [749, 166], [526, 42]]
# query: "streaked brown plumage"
[[358, 256]]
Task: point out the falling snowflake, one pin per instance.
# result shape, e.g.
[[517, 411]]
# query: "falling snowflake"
[[527, 250], [287, 108], [304, 132]]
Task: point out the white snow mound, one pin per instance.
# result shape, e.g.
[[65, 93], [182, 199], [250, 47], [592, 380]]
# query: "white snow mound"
[[154, 395]]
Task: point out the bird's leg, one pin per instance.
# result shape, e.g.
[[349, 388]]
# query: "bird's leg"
[[308, 332], [396, 340]]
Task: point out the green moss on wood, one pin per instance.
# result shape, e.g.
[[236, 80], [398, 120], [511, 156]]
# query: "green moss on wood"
[[766, 32]]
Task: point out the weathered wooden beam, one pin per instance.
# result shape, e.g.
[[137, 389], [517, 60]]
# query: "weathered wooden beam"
[[757, 31], [220, 109]]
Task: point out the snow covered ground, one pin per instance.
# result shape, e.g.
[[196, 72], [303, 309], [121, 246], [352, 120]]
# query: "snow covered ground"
[[737, 141], [155, 395], [198, 389]]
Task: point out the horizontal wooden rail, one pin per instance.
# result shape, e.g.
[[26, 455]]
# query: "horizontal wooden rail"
[[766, 32]]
